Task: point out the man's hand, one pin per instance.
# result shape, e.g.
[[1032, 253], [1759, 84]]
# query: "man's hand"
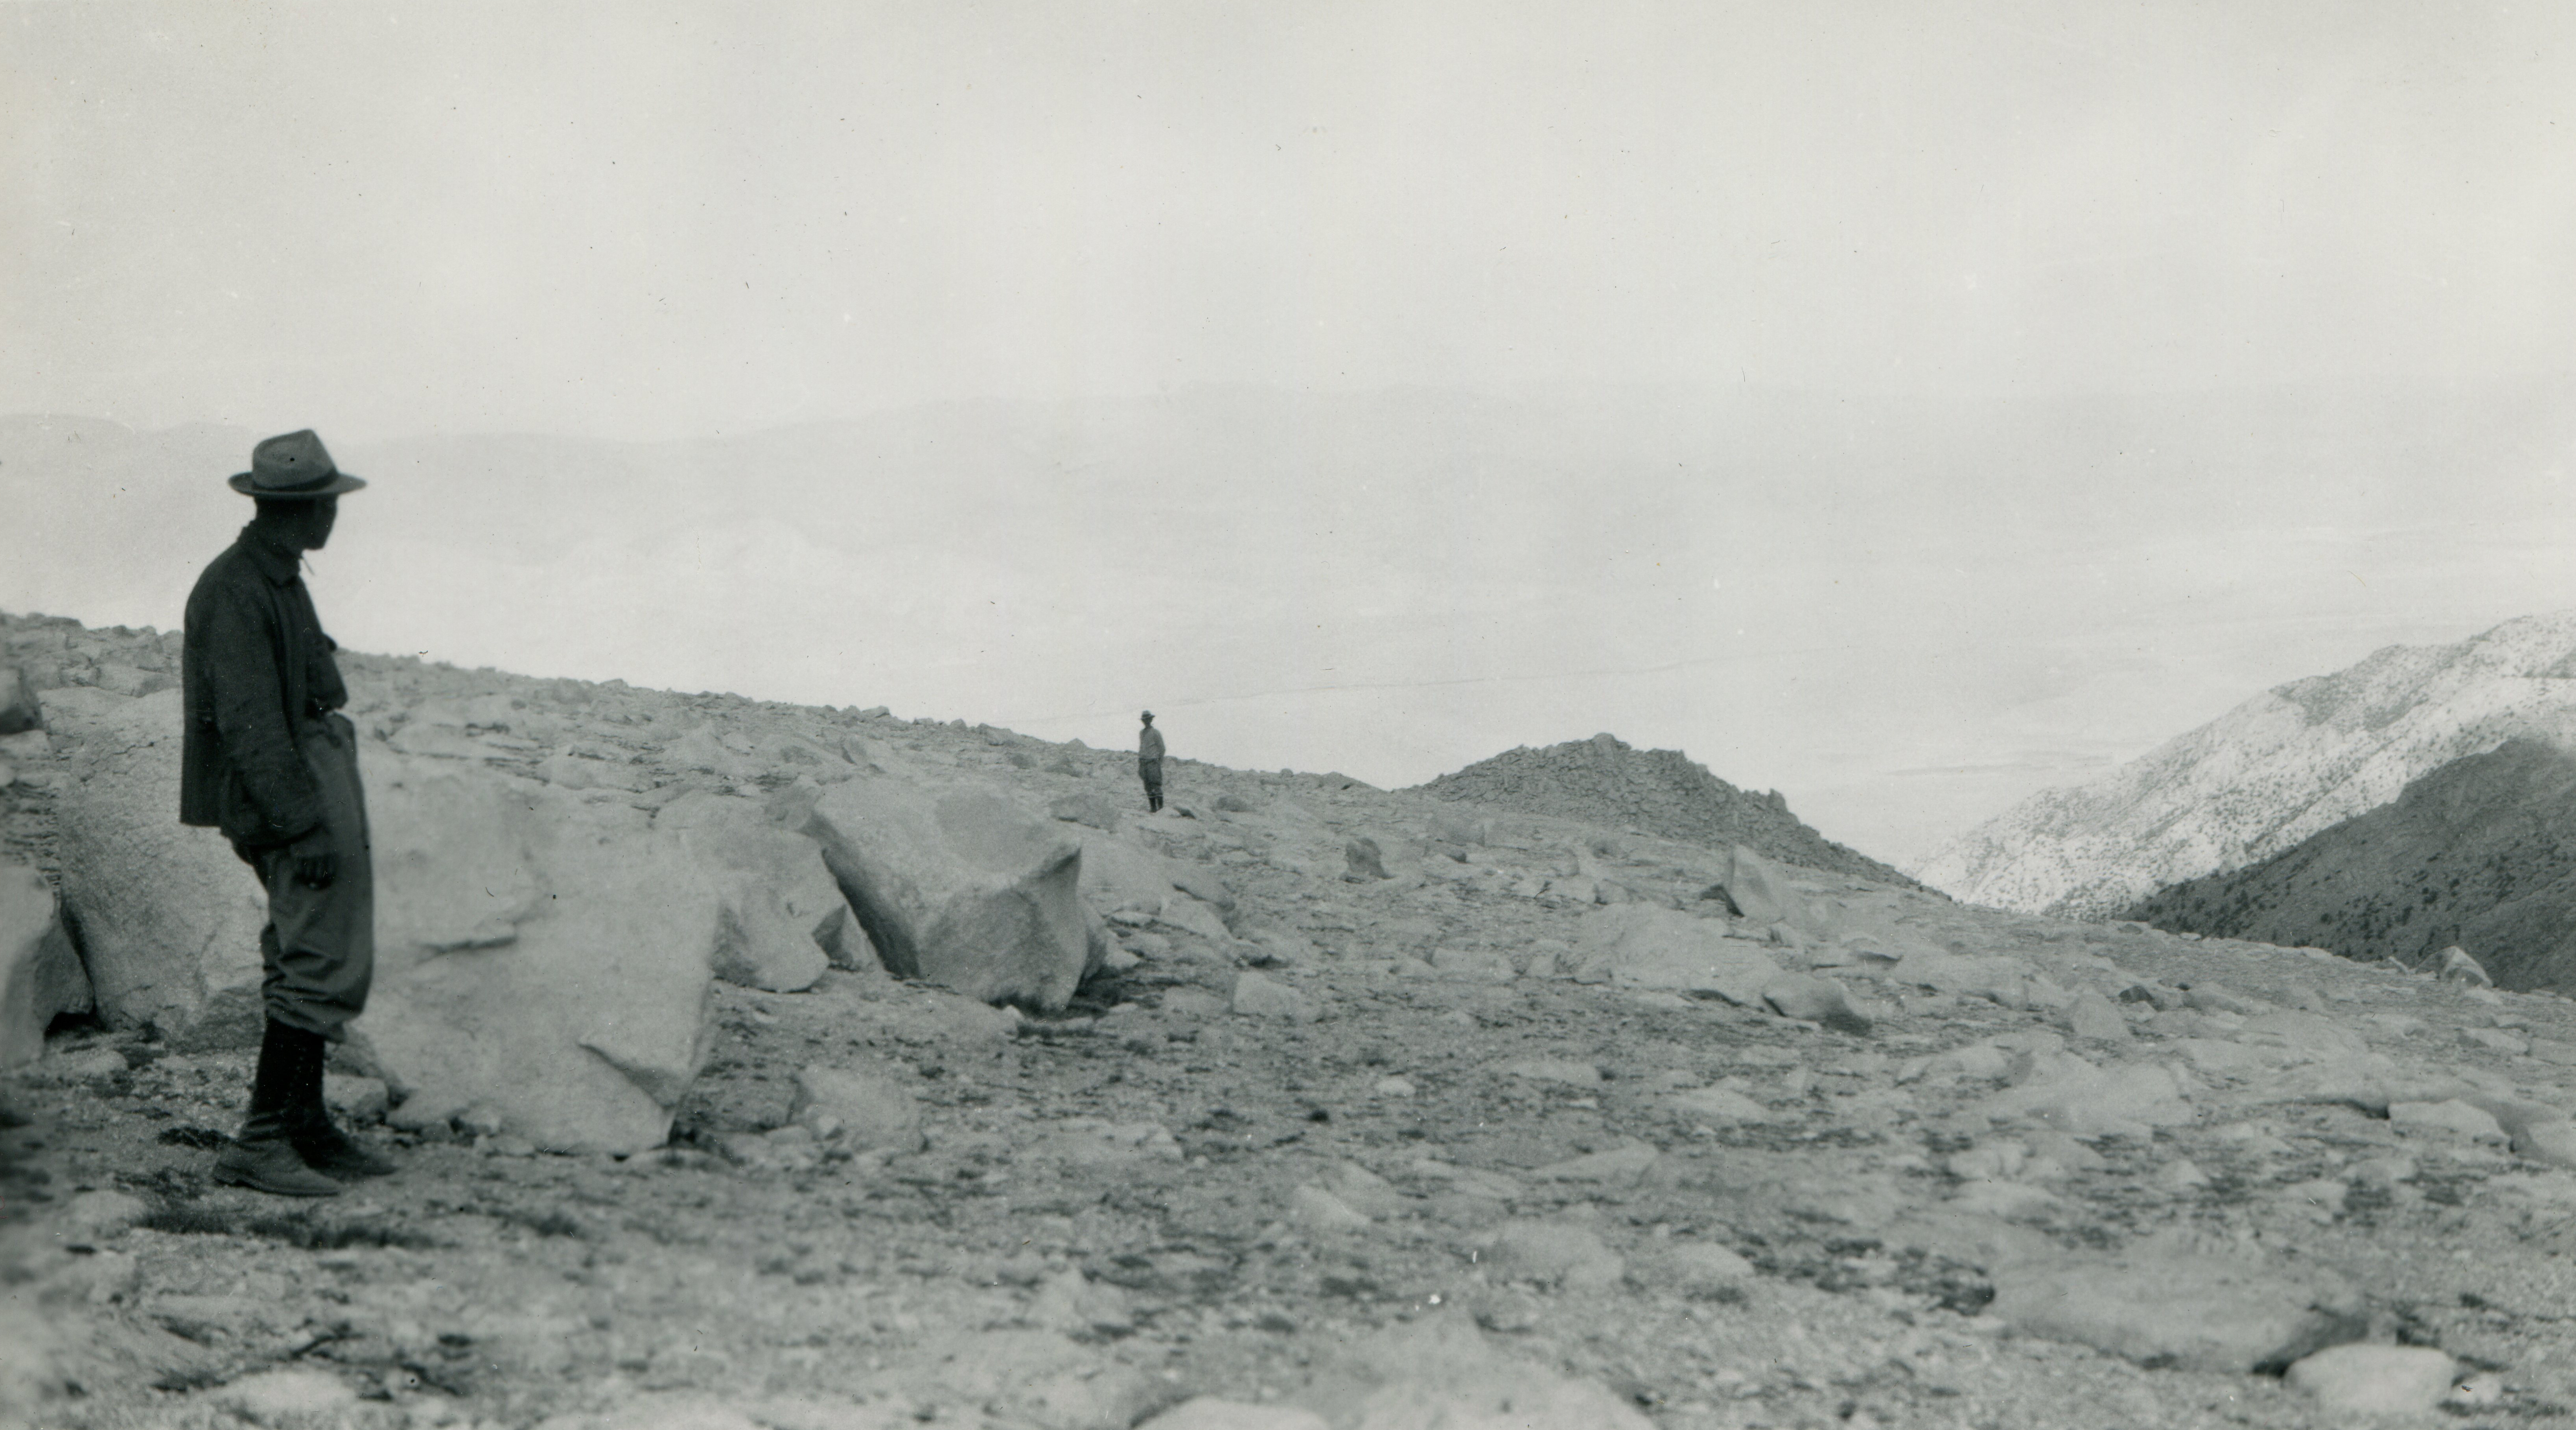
[[315, 864]]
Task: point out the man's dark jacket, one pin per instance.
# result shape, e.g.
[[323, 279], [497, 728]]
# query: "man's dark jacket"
[[254, 666]]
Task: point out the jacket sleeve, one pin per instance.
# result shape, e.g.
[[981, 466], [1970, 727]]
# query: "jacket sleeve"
[[250, 715]]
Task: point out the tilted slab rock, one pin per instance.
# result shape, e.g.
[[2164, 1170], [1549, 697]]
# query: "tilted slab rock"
[[539, 959], [961, 887], [786, 919], [40, 977], [1760, 892], [1646, 946], [169, 916]]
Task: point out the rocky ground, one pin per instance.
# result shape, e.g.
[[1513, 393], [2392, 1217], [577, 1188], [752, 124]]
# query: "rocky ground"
[[1464, 1144]]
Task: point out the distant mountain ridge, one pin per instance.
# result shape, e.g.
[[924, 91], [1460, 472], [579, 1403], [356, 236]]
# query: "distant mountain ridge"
[[2269, 774], [1604, 780], [2480, 853]]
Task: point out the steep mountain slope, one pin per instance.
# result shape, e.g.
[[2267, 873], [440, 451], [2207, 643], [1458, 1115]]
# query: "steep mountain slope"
[[2479, 853], [2268, 774], [1604, 780]]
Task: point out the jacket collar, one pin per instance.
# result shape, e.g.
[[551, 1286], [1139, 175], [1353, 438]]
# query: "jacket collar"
[[277, 563]]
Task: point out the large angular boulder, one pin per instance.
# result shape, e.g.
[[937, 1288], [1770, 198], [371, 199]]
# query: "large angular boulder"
[[959, 886], [785, 918], [168, 916], [39, 975], [1648, 946], [541, 960]]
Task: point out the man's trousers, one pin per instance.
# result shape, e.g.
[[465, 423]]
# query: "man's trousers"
[[319, 948]]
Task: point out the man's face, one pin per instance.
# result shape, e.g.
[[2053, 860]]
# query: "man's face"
[[318, 519]]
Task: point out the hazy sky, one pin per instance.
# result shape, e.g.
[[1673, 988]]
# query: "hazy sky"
[[2352, 223]]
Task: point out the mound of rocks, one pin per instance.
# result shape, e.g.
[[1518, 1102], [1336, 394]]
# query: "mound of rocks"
[[1605, 781]]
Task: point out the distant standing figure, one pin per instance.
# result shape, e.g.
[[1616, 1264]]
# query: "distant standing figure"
[[1149, 763], [266, 758]]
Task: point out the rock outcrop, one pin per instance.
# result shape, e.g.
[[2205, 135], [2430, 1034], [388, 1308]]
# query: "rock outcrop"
[[2269, 774], [1605, 781]]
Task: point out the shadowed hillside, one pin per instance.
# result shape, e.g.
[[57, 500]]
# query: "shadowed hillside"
[[1604, 780], [2479, 853], [2262, 778]]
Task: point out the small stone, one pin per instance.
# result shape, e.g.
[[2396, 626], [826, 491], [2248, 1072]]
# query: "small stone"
[[1703, 1267], [2496, 1038], [353, 1097], [2321, 1197], [101, 1214], [1561, 1070], [1396, 1085], [280, 1395], [1811, 999], [1089, 808], [1719, 1106], [2181, 1175], [2193, 1312], [85, 1064], [1557, 1252], [1364, 1191], [1363, 859], [2005, 1201], [1259, 997], [868, 1110], [1072, 1303], [1318, 1210], [2453, 965], [1473, 964], [1618, 1167], [2376, 1380], [2093, 1018], [1209, 1413], [2453, 1116]]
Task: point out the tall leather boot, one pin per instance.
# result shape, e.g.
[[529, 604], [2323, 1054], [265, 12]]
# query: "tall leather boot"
[[322, 1145], [263, 1158]]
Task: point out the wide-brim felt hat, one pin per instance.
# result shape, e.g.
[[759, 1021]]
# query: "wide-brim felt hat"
[[294, 467]]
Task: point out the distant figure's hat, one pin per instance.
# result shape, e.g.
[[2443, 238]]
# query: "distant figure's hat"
[[294, 467], [1149, 714]]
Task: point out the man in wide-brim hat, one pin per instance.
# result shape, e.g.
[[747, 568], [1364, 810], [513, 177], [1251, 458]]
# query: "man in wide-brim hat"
[[267, 759], [1149, 763]]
